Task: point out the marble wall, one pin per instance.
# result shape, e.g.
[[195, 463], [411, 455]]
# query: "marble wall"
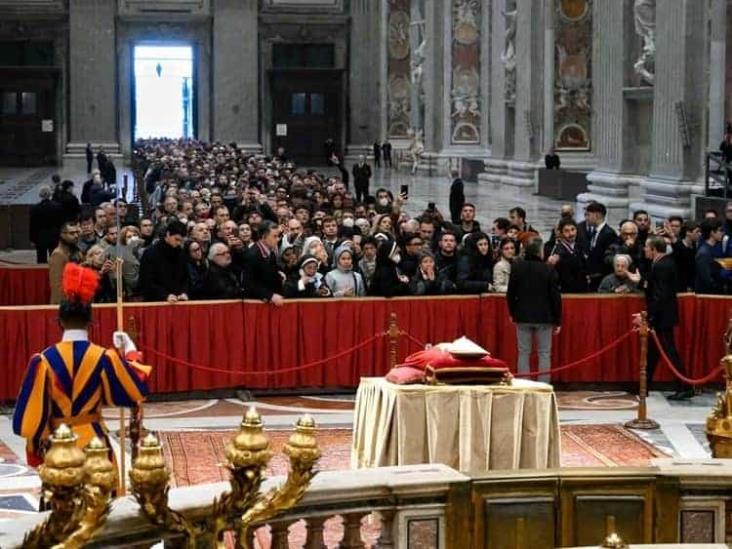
[[573, 75], [465, 75], [398, 76]]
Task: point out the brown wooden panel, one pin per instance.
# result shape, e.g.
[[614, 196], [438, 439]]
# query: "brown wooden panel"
[[524, 502], [588, 503], [520, 523]]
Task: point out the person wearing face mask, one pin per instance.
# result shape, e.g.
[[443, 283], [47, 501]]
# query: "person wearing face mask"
[[343, 281], [130, 243], [387, 280], [310, 282]]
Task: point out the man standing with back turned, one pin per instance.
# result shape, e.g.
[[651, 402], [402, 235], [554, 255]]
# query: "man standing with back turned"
[[535, 305]]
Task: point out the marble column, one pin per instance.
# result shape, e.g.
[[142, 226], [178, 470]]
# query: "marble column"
[[717, 72], [235, 73], [679, 102], [464, 94], [92, 76], [500, 107], [609, 181], [529, 110], [366, 80]]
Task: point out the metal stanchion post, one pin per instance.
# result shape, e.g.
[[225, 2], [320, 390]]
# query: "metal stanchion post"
[[642, 421], [393, 334]]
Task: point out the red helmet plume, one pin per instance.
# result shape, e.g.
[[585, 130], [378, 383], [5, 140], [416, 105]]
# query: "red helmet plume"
[[79, 283]]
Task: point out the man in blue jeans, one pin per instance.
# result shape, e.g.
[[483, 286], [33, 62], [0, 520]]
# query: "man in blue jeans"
[[535, 305]]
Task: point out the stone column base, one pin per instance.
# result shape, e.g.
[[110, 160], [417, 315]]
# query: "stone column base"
[[664, 197], [520, 174], [495, 168], [250, 148]]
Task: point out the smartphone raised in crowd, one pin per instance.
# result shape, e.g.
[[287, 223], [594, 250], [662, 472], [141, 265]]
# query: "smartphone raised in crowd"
[[404, 191]]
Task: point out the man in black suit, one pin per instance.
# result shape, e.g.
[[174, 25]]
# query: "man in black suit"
[[663, 311], [89, 157], [568, 259], [45, 225], [377, 154], [361, 178], [596, 236], [386, 153], [262, 277], [457, 197], [535, 305]]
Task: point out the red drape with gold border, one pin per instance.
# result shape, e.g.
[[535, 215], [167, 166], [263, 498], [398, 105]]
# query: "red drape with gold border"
[[250, 336]]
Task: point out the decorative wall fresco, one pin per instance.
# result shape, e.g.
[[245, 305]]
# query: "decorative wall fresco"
[[465, 91], [573, 75], [398, 68]]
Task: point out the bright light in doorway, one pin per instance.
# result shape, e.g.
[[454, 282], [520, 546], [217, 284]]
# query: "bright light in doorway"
[[163, 91]]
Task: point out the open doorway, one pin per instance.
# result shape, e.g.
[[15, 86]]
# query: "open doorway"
[[164, 92]]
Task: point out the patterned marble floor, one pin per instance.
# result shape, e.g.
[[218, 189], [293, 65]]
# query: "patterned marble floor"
[[681, 432]]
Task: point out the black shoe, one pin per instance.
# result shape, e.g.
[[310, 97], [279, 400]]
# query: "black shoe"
[[681, 395]]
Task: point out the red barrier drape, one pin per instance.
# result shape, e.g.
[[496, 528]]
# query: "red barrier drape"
[[251, 336], [26, 285]]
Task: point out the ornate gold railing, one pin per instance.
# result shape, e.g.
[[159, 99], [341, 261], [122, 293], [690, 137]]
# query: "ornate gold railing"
[[77, 485]]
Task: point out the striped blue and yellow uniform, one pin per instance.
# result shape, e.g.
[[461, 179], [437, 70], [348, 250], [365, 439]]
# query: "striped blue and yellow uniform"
[[69, 382]]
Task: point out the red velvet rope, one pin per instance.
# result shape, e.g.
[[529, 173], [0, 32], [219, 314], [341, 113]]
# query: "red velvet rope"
[[410, 337], [701, 381], [592, 356], [265, 372]]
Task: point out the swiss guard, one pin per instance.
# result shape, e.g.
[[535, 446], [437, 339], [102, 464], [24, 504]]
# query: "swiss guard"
[[70, 381]]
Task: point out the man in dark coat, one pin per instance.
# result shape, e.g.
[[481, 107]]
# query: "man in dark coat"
[[457, 197], [262, 277], [568, 259], [595, 237], [163, 268], [377, 154], [69, 204], [361, 178], [535, 305], [663, 311], [221, 281], [89, 158], [386, 153], [45, 224], [708, 273]]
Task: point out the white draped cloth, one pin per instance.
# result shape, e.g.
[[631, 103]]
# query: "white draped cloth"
[[473, 428]]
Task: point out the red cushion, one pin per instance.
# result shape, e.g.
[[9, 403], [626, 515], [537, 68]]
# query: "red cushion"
[[438, 359], [404, 375]]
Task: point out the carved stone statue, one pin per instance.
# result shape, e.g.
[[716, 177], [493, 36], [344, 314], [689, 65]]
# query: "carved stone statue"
[[644, 12], [508, 56], [416, 148]]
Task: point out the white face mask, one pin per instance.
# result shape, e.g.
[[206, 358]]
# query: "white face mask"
[[383, 201], [133, 240], [348, 222]]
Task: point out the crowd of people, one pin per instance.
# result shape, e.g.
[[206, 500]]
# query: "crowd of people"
[[224, 224]]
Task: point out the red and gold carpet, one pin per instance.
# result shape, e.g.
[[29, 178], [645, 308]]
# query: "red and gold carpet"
[[195, 457]]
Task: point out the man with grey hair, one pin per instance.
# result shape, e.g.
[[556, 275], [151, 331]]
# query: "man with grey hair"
[[535, 305], [45, 223], [221, 282], [361, 179]]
